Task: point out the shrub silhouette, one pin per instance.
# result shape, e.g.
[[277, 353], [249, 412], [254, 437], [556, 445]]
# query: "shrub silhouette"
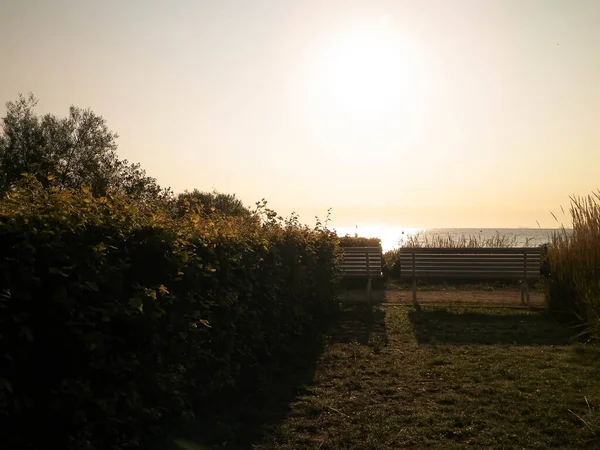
[[117, 318]]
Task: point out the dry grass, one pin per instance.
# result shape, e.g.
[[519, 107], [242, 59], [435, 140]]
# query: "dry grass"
[[475, 296], [574, 258], [420, 240]]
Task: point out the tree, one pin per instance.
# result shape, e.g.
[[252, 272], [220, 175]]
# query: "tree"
[[211, 203], [74, 151]]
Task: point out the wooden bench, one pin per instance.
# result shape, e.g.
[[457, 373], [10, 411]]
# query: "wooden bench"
[[468, 264], [362, 262]]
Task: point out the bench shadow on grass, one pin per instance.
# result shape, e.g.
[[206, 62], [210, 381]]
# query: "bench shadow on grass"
[[240, 418], [360, 322], [443, 326]]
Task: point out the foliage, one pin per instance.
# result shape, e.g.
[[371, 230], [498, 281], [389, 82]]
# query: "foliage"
[[116, 318], [74, 151], [573, 288], [210, 203], [359, 241]]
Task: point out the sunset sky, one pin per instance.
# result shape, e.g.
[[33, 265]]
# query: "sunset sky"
[[393, 113]]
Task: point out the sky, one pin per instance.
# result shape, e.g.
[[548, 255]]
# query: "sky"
[[391, 113]]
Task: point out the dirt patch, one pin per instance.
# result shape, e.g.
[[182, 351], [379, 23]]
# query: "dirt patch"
[[504, 297]]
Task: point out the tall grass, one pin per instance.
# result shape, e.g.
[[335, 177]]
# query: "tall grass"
[[573, 290], [424, 240]]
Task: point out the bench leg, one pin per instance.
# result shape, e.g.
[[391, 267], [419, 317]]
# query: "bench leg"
[[369, 290], [525, 297], [522, 293]]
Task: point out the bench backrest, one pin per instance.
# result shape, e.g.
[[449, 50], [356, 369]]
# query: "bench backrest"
[[362, 262], [471, 263]]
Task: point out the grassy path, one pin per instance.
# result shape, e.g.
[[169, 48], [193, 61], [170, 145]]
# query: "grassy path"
[[455, 377]]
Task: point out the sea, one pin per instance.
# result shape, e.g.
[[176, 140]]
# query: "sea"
[[394, 237]]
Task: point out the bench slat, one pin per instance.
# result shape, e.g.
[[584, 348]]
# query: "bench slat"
[[474, 262], [470, 268], [499, 262], [356, 259], [518, 275], [467, 269], [409, 256], [471, 263], [505, 263], [467, 251]]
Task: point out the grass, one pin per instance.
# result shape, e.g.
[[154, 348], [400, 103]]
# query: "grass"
[[442, 378], [574, 258], [465, 241], [392, 377]]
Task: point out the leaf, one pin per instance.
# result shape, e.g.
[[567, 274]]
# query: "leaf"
[[187, 445], [162, 289], [26, 333], [5, 384], [91, 286], [50, 177], [57, 271], [205, 323], [137, 303]]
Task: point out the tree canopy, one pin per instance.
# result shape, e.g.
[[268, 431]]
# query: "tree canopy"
[[211, 203], [74, 151]]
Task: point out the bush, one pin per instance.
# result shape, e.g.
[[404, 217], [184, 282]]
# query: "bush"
[[117, 318], [573, 287], [359, 241]]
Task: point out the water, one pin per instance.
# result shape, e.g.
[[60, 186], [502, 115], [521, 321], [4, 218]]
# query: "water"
[[393, 237]]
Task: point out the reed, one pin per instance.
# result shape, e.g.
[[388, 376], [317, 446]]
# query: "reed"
[[424, 240], [573, 288]]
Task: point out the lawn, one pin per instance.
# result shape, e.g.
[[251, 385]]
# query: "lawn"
[[389, 376]]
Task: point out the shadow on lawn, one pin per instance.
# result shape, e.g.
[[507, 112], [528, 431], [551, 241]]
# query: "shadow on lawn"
[[363, 323], [442, 326], [240, 418]]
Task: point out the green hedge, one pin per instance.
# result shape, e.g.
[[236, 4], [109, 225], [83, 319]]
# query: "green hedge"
[[359, 241], [116, 318]]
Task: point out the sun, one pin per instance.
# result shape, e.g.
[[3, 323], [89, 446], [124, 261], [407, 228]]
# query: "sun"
[[370, 74]]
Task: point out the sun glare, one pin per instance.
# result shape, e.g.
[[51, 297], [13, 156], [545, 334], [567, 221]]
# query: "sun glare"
[[368, 74], [391, 237]]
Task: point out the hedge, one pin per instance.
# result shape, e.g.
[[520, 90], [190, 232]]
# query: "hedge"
[[359, 241], [116, 318]]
